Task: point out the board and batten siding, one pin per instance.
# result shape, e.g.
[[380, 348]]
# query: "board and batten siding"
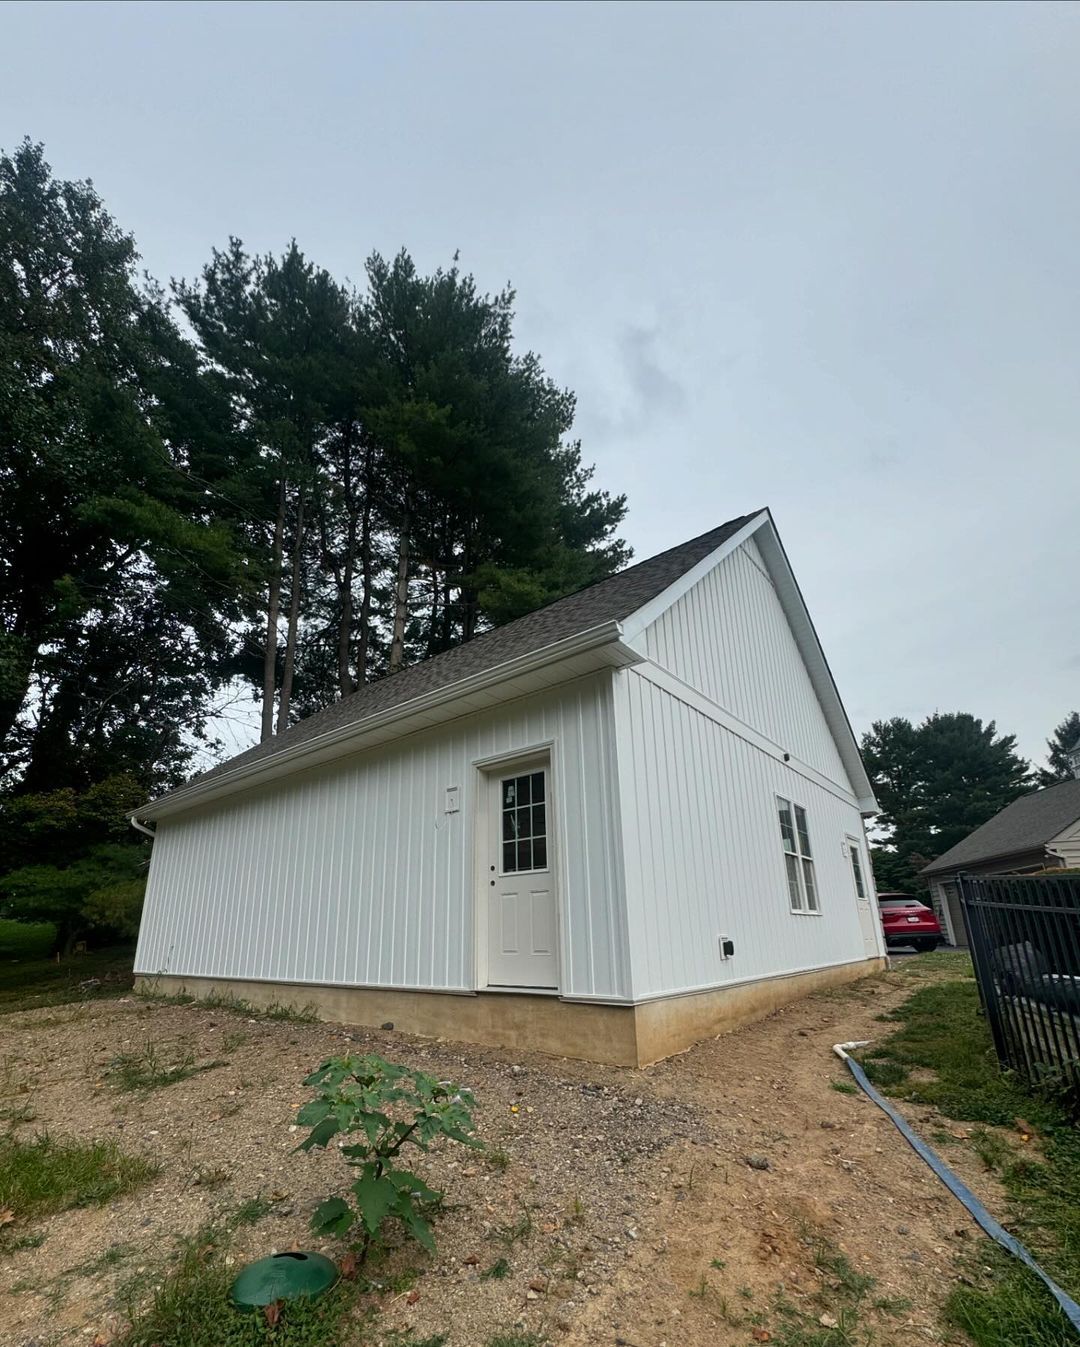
[[353, 875], [729, 637], [703, 855]]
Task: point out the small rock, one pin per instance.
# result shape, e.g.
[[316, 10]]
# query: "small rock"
[[387, 1024], [539, 1285], [903, 1230], [829, 1321], [530, 1294], [758, 1162]]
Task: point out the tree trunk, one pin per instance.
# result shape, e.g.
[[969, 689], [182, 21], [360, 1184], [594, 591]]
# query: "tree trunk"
[[295, 586], [345, 682], [433, 614], [401, 598], [272, 606], [364, 641]]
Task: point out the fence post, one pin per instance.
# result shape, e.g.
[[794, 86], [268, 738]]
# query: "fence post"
[[982, 958]]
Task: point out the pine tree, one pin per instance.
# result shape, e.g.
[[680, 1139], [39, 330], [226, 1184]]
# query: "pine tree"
[[1065, 736], [937, 782]]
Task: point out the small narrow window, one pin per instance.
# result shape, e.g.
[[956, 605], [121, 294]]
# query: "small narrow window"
[[798, 857], [856, 868]]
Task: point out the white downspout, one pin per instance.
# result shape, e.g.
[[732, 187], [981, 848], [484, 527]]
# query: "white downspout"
[[141, 827]]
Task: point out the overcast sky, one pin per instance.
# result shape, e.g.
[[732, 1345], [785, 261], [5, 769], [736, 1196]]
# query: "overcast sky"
[[822, 258]]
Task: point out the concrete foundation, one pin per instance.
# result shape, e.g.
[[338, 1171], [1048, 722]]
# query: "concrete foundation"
[[633, 1035]]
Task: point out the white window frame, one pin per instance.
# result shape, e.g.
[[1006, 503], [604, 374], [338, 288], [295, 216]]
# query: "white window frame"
[[800, 874]]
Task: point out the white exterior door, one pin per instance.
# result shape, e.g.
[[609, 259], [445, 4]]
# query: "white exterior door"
[[522, 909], [868, 918]]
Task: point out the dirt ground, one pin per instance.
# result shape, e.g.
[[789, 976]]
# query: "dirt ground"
[[623, 1202]]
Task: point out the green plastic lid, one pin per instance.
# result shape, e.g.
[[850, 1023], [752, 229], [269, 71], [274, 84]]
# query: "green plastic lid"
[[283, 1276]]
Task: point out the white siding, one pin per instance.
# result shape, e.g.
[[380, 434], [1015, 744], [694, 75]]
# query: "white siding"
[[1067, 845], [703, 853], [354, 875], [729, 637]]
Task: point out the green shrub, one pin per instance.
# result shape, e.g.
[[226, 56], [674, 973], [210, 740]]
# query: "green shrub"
[[386, 1107]]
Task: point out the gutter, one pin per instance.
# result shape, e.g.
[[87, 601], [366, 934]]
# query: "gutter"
[[133, 819], [290, 759]]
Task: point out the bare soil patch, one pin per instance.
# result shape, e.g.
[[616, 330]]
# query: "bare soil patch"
[[622, 1203]]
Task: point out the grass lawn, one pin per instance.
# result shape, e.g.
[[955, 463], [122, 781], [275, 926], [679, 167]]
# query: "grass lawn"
[[941, 1054], [30, 983], [43, 1176]]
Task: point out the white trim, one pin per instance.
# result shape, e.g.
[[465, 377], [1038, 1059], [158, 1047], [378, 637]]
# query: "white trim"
[[647, 614], [487, 770], [763, 528], [582, 999], [285, 762], [698, 701], [806, 638], [717, 986]]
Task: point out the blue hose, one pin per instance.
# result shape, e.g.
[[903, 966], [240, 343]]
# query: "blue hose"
[[960, 1189]]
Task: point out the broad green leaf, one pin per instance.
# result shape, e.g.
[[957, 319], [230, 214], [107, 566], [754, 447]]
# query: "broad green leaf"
[[313, 1112], [416, 1225], [333, 1217], [320, 1134], [410, 1183], [376, 1197]]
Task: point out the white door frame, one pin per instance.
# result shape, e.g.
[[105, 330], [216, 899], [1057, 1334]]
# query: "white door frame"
[[486, 771], [870, 903]]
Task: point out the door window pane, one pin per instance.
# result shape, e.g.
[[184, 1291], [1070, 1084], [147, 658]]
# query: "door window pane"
[[856, 870], [524, 823]]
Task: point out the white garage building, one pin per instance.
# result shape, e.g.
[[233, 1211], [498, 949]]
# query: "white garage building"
[[607, 829]]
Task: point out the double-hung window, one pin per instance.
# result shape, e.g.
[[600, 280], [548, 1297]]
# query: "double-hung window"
[[798, 858]]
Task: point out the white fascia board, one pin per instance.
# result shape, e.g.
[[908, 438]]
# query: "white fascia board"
[[806, 637], [802, 626], [348, 738], [647, 614]]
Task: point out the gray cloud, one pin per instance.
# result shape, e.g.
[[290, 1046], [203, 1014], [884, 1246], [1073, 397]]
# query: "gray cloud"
[[874, 205]]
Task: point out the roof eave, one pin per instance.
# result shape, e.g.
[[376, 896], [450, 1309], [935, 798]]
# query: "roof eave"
[[426, 711], [957, 867]]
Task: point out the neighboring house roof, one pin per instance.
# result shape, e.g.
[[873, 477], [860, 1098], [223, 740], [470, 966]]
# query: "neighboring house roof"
[[595, 613], [1025, 825]]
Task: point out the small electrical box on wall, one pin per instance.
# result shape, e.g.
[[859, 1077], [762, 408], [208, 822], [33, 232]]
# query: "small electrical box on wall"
[[453, 799], [727, 947]]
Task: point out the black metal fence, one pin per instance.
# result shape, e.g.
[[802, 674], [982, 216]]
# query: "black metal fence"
[[1025, 944]]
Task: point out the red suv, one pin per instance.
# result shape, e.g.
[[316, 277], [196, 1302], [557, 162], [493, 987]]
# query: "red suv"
[[906, 921]]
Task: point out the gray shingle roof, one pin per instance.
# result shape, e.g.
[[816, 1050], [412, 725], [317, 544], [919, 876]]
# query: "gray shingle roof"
[[1025, 825], [607, 600]]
